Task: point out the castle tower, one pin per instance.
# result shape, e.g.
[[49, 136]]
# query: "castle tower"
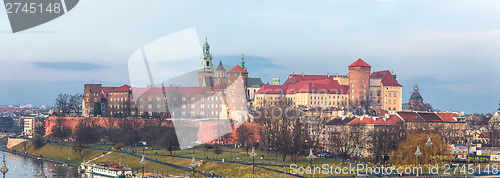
[[359, 82], [220, 75], [236, 93], [206, 66], [91, 102]]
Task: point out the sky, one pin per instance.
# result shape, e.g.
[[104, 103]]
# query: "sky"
[[449, 48]]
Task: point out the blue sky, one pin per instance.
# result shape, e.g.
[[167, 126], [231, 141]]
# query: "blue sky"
[[449, 48]]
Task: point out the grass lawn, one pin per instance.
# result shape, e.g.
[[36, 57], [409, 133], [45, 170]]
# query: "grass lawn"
[[57, 152]]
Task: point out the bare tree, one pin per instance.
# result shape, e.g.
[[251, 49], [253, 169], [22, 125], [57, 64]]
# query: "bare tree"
[[83, 134], [384, 139], [75, 103], [62, 104], [169, 141], [345, 139], [245, 135], [315, 127], [494, 131], [217, 150]]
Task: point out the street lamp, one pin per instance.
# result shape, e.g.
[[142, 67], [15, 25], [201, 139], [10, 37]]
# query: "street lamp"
[[231, 150], [143, 163], [357, 152], [418, 154], [469, 144], [4, 168], [41, 175], [193, 165], [429, 142], [253, 155], [311, 157]]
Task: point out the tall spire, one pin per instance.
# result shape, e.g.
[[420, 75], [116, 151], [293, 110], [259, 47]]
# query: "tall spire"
[[206, 58], [242, 63]]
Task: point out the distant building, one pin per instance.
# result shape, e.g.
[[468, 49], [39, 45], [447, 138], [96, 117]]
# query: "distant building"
[[451, 127], [6, 124], [416, 102], [32, 123]]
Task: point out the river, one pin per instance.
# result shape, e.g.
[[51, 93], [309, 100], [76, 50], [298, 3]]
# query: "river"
[[26, 167]]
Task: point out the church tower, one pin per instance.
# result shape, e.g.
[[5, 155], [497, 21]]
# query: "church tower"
[[220, 75], [206, 67]]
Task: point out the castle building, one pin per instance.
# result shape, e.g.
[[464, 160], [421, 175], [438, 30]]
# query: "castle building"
[[378, 90], [106, 101], [385, 92], [219, 94]]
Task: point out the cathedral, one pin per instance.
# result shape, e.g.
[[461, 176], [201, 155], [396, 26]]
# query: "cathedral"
[[210, 78], [416, 102]]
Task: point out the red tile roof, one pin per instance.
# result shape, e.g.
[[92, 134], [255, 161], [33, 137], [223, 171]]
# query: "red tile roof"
[[122, 89], [293, 78], [430, 117], [312, 86], [410, 116], [272, 89], [359, 63], [392, 120], [450, 117], [237, 69], [387, 79], [106, 90], [185, 90]]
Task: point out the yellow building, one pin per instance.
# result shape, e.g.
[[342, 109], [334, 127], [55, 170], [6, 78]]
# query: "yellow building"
[[385, 93], [305, 90]]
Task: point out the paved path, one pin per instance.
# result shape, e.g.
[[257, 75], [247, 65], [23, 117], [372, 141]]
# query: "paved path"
[[98, 157]]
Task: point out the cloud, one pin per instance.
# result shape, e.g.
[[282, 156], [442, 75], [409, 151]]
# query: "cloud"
[[76, 66]]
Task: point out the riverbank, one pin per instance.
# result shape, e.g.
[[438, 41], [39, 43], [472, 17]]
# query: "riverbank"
[[38, 157]]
